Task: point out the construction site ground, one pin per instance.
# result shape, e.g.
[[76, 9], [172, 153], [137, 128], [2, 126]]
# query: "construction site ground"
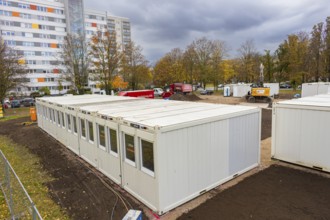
[[273, 190]]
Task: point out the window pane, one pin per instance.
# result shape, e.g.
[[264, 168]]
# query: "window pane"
[[129, 147], [69, 121], [90, 130], [147, 155], [62, 116], [83, 128], [113, 141], [101, 136], [58, 118], [74, 124]]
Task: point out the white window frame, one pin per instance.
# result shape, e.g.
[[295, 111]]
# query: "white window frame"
[[128, 161], [144, 169], [88, 131], [115, 154], [81, 131], [68, 118], [99, 137], [74, 123]]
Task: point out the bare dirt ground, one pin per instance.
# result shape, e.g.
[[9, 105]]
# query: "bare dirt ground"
[[279, 192]]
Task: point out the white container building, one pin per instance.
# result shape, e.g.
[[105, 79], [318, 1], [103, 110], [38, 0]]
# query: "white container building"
[[300, 131], [241, 90], [165, 153], [311, 89], [274, 88]]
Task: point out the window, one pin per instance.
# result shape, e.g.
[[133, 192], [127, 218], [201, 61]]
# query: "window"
[[147, 151], [129, 148], [113, 140], [58, 118], [83, 128], [90, 131], [74, 121], [63, 120], [50, 114], [101, 136], [68, 122]]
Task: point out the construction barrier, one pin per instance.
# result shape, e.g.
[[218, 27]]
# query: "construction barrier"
[[1, 112], [33, 114]]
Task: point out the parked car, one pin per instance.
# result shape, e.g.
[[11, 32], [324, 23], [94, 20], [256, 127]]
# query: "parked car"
[[206, 92], [285, 86], [15, 104], [158, 92], [28, 102]]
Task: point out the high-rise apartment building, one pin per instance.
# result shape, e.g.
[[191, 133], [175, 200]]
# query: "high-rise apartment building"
[[37, 28]]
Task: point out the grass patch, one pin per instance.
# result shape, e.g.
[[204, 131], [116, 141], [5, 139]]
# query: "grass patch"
[[14, 113], [33, 177]]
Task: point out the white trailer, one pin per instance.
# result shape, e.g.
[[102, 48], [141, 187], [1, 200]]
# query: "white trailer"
[[240, 90], [274, 88], [311, 89], [300, 131], [165, 153]]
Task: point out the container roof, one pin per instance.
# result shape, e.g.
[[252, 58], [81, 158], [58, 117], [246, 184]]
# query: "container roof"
[[85, 99], [153, 112], [167, 113], [317, 100]]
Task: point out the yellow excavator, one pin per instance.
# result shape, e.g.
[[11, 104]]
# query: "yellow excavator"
[[258, 92]]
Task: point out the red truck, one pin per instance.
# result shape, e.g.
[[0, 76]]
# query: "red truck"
[[177, 88], [138, 93]]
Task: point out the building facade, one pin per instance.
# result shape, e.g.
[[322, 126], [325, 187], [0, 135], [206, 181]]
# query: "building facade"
[[37, 28]]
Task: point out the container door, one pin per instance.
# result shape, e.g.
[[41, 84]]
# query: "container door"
[[138, 164], [88, 149], [108, 149]]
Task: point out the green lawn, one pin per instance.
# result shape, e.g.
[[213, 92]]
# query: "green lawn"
[[33, 177], [13, 113]]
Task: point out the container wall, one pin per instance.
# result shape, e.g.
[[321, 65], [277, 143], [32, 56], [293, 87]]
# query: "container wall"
[[274, 88], [301, 137], [243, 142], [199, 158]]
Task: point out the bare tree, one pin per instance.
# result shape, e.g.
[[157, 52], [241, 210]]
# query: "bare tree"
[[249, 61], [203, 50], [12, 69], [106, 55], [76, 59], [189, 62], [134, 65], [316, 49], [327, 47], [219, 51]]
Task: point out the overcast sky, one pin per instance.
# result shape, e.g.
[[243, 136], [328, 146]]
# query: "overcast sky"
[[161, 25]]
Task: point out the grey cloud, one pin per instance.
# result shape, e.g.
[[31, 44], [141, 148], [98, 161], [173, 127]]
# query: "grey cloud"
[[158, 26]]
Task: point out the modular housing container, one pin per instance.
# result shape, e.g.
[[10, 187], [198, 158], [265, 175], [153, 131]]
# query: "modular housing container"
[[165, 153], [300, 131], [241, 90], [57, 114], [312, 89], [274, 88]]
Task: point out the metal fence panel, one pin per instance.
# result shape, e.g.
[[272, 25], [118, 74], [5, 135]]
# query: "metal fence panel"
[[19, 202]]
